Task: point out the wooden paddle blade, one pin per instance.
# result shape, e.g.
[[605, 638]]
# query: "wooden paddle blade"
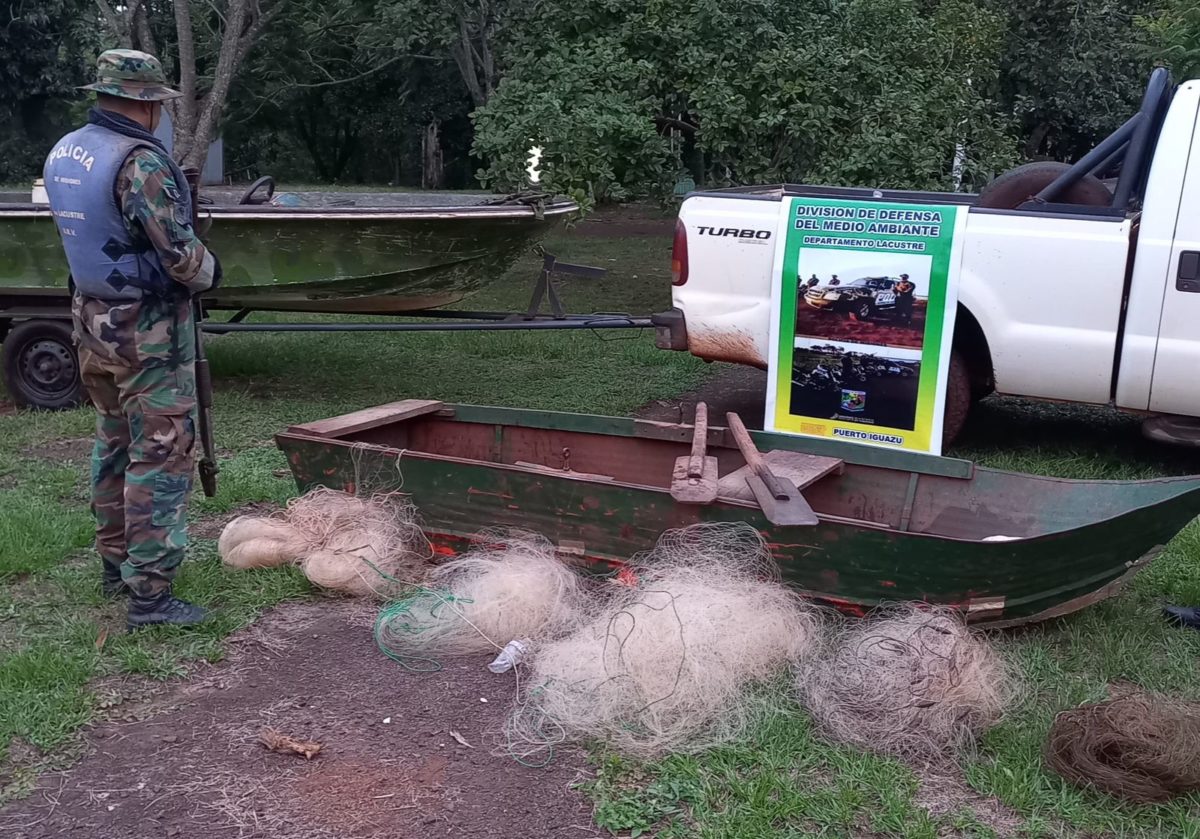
[[694, 490], [792, 509]]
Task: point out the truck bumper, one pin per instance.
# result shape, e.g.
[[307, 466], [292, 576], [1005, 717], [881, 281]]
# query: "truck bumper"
[[670, 330]]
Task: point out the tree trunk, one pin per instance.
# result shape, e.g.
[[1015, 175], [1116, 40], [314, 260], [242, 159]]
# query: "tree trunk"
[[432, 170], [307, 131], [1036, 137], [472, 49], [195, 119], [184, 109], [463, 52], [120, 24], [345, 143]]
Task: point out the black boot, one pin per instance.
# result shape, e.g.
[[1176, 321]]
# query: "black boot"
[[162, 608], [1183, 615], [111, 584]]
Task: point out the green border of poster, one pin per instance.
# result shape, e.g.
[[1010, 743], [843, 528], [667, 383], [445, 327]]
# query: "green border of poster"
[[858, 229]]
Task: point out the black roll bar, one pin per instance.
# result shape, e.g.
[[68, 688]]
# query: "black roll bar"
[[1102, 153], [1132, 144], [1137, 159], [1106, 165]]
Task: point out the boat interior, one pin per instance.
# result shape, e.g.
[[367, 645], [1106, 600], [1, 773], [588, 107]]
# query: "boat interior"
[[987, 505]]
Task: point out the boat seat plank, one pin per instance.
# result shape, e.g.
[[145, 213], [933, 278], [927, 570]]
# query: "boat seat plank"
[[794, 467], [369, 418]]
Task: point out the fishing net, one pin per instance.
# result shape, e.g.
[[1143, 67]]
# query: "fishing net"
[[664, 664], [355, 545], [913, 683], [513, 587], [256, 542], [1140, 747]]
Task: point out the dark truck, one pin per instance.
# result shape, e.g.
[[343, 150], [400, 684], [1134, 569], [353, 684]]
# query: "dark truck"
[[863, 298]]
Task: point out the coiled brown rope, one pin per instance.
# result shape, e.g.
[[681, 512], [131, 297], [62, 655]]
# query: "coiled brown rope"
[[1141, 747]]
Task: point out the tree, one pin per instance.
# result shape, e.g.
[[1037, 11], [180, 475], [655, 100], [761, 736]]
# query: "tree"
[[469, 31], [1072, 71], [356, 106], [624, 93], [230, 28], [1173, 37], [45, 52]]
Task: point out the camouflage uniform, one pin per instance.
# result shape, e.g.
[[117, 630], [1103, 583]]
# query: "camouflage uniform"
[[137, 364], [904, 298], [131, 74]]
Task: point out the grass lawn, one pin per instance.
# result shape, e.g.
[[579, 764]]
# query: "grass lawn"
[[60, 667]]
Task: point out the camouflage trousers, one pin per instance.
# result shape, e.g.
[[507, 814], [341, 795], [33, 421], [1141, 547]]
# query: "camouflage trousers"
[[137, 364]]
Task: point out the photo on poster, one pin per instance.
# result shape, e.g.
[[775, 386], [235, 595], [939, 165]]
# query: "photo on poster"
[[852, 383], [865, 297]]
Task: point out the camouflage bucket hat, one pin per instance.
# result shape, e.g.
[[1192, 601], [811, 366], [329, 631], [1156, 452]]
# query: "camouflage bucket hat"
[[131, 75]]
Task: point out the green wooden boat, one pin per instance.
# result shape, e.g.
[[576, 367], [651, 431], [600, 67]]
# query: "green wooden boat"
[[1005, 548], [363, 253]]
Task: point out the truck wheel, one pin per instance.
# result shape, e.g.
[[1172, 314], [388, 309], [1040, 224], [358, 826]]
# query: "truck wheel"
[[862, 311], [1016, 186], [958, 400], [40, 365]]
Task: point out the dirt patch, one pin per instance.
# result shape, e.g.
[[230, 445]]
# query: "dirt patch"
[[389, 767], [833, 326], [7, 408], [73, 450], [627, 220], [210, 527], [947, 794], [730, 388]]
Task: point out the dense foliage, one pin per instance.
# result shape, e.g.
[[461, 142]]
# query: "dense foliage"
[[45, 50], [1073, 71], [626, 93], [628, 97]]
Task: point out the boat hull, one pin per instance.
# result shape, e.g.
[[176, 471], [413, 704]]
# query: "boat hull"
[[851, 561], [373, 261]]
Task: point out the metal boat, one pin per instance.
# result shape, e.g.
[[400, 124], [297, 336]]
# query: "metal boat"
[[338, 252], [1003, 547]]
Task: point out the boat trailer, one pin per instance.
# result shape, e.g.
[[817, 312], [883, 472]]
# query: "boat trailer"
[[451, 320], [41, 369]]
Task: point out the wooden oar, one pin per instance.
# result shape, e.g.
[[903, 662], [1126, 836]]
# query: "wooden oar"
[[781, 502], [694, 480]]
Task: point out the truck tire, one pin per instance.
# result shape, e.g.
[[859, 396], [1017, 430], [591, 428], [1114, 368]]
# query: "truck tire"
[[41, 368], [958, 400], [1016, 186], [862, 311]]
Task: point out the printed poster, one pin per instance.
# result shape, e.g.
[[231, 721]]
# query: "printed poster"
[[866, 293]]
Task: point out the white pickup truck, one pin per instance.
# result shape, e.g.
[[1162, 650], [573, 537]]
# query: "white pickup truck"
[[1079, 283]]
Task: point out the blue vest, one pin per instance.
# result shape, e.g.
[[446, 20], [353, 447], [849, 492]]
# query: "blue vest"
[[81, 176]]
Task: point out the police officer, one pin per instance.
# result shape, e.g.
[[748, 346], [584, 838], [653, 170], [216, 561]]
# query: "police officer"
[[123, 210], [904, 298]]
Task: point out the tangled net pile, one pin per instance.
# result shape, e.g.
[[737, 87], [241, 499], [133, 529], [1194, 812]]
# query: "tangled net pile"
[[359, 546], [1139, 747], [664, 665], [514, 587], [915, 684]]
